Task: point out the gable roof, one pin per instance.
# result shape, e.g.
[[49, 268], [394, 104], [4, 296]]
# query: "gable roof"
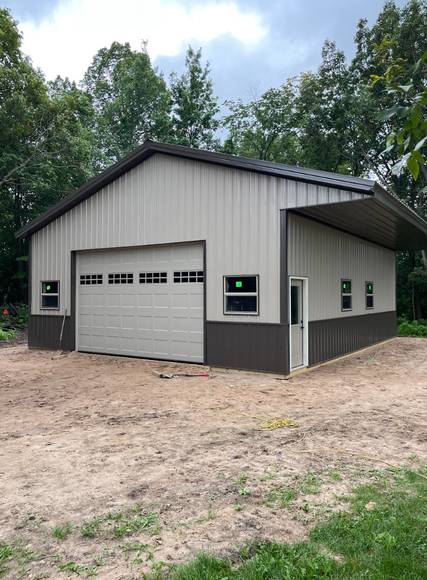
[[411, 227]]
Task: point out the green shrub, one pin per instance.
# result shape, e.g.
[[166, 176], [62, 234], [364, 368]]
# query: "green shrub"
[[22, 318], [5, 334], [417, 328]]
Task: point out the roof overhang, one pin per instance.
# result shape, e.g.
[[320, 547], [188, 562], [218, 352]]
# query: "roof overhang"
[[379, 217]]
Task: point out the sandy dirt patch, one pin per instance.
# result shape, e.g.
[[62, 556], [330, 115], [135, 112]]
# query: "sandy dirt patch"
[[84, 436]]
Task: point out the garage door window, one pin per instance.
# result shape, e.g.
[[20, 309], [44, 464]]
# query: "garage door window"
[[86, 279], [153, 277], [241, 295], [120, 278], [50, 295], [188, 276]]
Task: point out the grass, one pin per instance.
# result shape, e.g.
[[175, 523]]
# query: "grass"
[[279, 497], [20, 554], [120, 524], [5, 334], [381, 537], [61, 532], [240, 479]]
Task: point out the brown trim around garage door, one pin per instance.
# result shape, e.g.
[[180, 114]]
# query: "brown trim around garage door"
[[332, 338]]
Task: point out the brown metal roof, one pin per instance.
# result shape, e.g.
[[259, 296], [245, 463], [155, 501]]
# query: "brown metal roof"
[[382, 218]]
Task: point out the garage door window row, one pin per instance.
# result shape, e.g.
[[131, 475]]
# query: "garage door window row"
[[153, 277], [183, 277], [86, 279], [120, 278]]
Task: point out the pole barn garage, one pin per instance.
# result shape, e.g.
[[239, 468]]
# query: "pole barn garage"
[[187, 255]]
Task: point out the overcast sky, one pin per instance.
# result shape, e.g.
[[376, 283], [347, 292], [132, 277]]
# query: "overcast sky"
[[248, 42]]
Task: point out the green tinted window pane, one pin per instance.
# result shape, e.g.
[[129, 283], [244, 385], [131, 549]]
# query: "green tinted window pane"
[[369, 288], [50, 288], [346, 286], [235, 284]]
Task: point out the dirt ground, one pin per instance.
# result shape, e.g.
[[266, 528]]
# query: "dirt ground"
[[86, 436]]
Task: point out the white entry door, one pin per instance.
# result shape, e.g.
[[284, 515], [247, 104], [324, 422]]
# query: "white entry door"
[[298, 323], [142, 302]]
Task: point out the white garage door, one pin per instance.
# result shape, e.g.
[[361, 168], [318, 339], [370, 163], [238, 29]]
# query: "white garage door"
[[144, 302]]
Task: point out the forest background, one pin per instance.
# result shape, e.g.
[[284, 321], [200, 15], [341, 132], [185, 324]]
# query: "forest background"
[[366, 117]]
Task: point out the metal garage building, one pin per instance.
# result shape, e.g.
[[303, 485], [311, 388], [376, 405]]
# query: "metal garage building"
[[187, 255]]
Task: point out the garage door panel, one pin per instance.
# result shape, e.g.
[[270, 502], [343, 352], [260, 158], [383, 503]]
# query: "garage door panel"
[[113, 321], [112, 343], [195, 325], [180, 324], [161, 347], [161, 255], [85, 340], [145, 323], [145, 256], [112, 300], [113, 258], [128, 322], [180, 300], [84, 300], [97, 300], [97, 321], [127, 345], [180, 254], [161, 300], [145, 300], [161, 323], [157, 316], [85, 320], [196, 302], [98, 342], [145, 346], [127, 300]]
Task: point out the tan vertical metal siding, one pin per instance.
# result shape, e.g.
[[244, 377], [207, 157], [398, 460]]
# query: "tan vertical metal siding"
[[169, 200], [326, 256]]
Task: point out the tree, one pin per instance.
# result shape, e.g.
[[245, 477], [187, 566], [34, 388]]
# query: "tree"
[[130, 98], [44, 151], [409, 139], [264, 128], [194, 105], [405, 31], [400, 82], [336, 118]]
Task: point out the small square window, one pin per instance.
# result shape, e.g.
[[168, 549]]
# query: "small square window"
[[50, 295], [369, 293], [346, 295], [241, 295]]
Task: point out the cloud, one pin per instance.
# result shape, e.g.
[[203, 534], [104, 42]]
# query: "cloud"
[[33, 11], [66, 42]]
